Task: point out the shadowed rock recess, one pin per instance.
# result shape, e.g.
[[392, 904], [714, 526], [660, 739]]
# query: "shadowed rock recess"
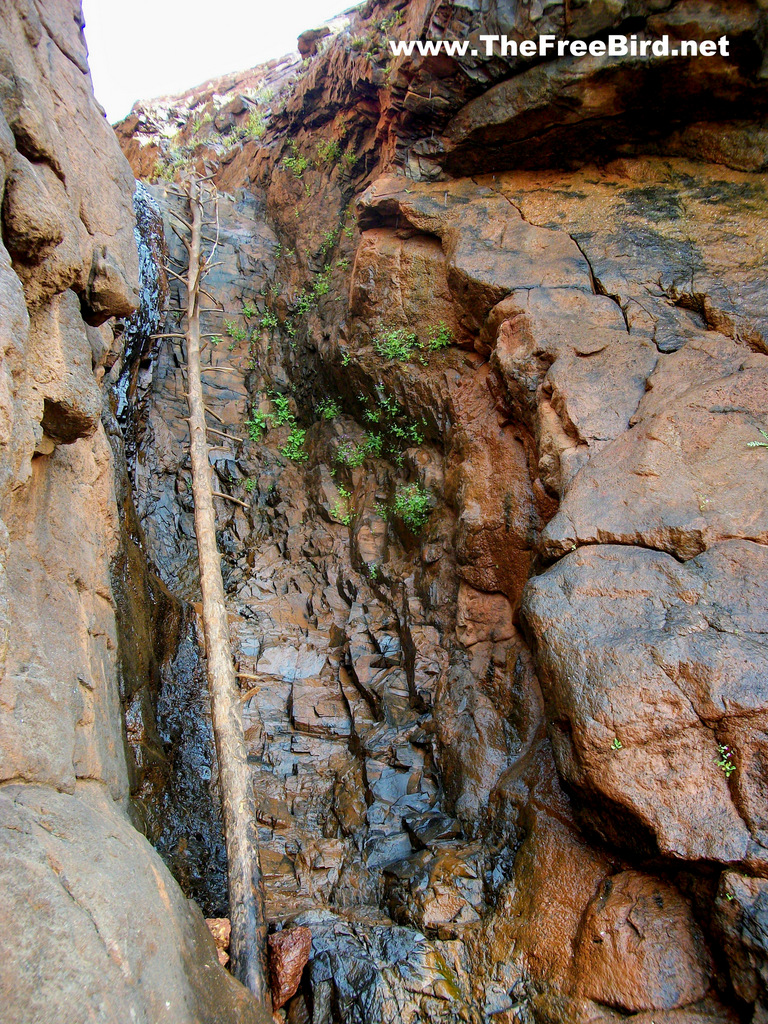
[[491, 394]]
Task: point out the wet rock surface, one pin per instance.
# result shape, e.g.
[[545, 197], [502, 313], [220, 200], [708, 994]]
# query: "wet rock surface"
[[488, 742], [486, 425]]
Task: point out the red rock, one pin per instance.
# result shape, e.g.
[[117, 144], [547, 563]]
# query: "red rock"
[[288, 955]]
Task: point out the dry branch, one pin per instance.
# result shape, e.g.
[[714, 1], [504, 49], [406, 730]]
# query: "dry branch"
[[228, 497], [220, 433]]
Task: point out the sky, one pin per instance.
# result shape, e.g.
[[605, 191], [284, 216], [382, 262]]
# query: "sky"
[[139, 49]]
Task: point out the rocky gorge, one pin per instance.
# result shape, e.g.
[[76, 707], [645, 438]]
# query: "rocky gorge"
[[487, 376]]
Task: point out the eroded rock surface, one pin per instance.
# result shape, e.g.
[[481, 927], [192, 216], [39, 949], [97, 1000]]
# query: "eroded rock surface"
[[491, 418]]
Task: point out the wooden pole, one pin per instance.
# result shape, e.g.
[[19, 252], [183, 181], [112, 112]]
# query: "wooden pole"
[[248, 945]]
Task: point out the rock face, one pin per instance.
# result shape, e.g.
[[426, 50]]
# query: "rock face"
[[497, 587], [486, 369], [94, 926]]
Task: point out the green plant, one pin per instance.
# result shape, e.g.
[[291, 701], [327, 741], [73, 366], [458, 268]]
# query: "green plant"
[[351, 454], [345, 357], [269, 320], [322, 284], [617, 744], [396, 343], [373, 571], [248, 310], [328, 150], [412, 505], [250, 486], [343, 263], [439, 336], [257, 424], [256, 125], [295, 162], [387, 24], [725, 764], [329, 240], [328, 409], [215, 340], [283, 412], [234, 331], [759, 444], [293, 448], [341, 508]]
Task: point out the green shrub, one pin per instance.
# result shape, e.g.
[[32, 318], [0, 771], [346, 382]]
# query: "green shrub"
[[411, 505], [328, 409], [256, 125], [283, 412], [269, 320], [293, 448], [341, 509], [328, 150], [396, 343], [257, 424], [235, 332], [296, 163], [439, 336]]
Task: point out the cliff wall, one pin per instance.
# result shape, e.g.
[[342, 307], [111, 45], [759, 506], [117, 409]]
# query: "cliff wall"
[[93, 925], [497, 373]]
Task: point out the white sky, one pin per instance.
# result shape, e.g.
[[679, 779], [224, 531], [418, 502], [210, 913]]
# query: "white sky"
[[144, 48]]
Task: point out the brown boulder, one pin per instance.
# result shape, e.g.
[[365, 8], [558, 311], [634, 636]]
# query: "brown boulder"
[[93, 909], [639, 947], [646, 665]]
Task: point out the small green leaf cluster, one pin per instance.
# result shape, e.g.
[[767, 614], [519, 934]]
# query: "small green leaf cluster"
[[296, 162], [398, 430], [282, 412], [293, 448], [256, 125], [724, 763], [412, 505], [328, 150], [260, 421], [308, 297], [257, 424], [354, 455], [439, 336], [397, 343], [341, 508], [234, 330], [328, 409]]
